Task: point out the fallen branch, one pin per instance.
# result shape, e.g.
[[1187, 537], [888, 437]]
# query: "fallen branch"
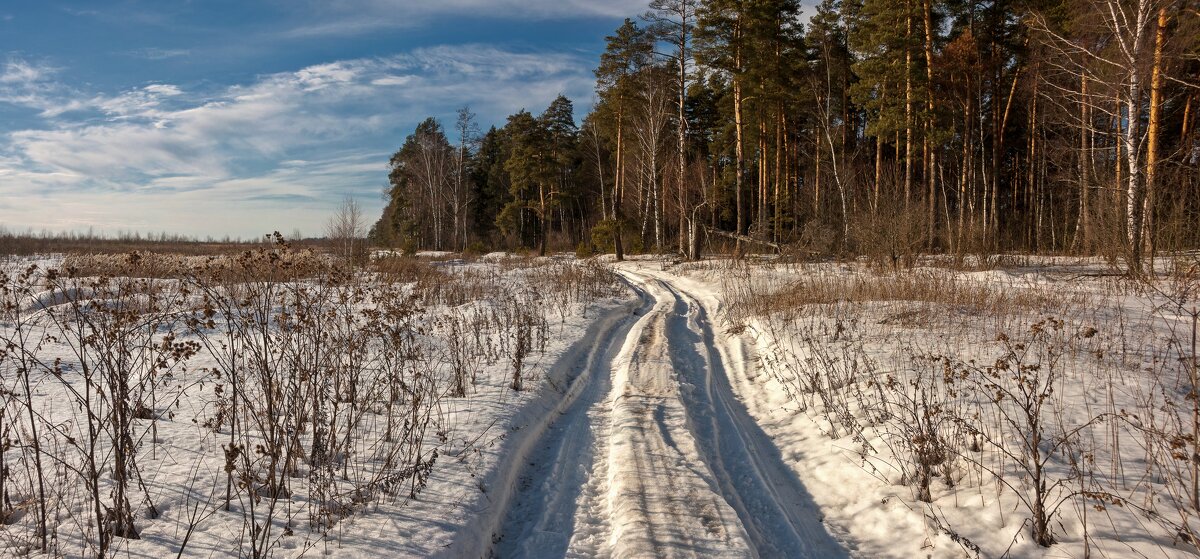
[[743, 238]]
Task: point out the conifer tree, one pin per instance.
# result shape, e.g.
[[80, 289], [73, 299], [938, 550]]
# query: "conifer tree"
[[627, 51], [675, 23], [722, 45], [489, 183]]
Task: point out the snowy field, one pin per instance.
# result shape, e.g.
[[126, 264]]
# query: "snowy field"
[[273, 406], [935, 412], [285, 416]]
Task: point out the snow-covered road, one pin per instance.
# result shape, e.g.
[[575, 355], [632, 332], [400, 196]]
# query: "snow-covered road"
[[653, 455]]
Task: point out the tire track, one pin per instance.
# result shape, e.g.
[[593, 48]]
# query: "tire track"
[[771, 502], [530, 505], [665, 501], [654, 455]]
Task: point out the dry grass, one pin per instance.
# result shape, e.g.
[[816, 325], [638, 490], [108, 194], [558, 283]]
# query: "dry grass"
[[27, 244], [249, 265], [312, 377], [929, 288], [1040, 396]]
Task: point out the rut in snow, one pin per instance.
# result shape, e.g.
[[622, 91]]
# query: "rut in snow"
[[655, 456]]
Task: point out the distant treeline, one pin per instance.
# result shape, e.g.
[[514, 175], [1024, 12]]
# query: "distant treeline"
[[30, 243], [880, 126]]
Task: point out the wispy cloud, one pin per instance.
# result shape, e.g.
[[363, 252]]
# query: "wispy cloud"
[[353, 17], [31, 85], [24, 73], [155, 53], [287, 145]]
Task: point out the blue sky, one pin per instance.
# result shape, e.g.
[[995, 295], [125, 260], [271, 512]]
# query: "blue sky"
[[241, 117]]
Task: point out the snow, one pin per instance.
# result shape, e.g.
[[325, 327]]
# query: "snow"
[[655, 456], [434, 254], [854, 476], [474, 435], [499, 256], [669, 419]]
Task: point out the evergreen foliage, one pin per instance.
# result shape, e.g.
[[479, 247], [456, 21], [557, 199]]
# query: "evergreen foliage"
[[959, 126]]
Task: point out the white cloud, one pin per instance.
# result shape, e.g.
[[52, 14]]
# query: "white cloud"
[[284, 147], [154, 53], [392, 80], [166, 90], [352, 17], [28, 84], [23, 73], [142, 103]]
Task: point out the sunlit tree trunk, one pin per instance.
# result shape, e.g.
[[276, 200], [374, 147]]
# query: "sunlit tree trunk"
[[1153, 133], [930, 149], [1083, 228], [908, 105]]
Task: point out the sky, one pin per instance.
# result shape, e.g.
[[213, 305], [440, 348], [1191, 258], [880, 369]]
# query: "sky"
[[214, 118]]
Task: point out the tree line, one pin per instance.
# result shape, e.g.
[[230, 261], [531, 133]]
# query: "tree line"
[[883, 127]]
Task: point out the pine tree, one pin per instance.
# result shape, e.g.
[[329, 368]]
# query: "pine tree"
[[627, 51], [420, 176], [779, 70], [881, 38], [830, 85], [920, 124], [675, 22], [563, 141], [722, 45], [489, 183], [533, 171]]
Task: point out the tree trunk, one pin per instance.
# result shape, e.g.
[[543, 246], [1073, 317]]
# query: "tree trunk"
[[930, 150], [1185, 127], [682, 129], [964, 173], [739, 156], [1134, 204], [817, 179], [1133, 189], [1083, 233], [543, 227], [599, 169], [780, 146], [761, 216], [1031, 199], [618, 184], [878, 173], [908, 105], [997, 151], [657, 201], [1152, 132], [739, 147]]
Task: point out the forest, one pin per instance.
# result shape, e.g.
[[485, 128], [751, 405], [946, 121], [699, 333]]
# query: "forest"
[[867, 127], [870, 278]]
